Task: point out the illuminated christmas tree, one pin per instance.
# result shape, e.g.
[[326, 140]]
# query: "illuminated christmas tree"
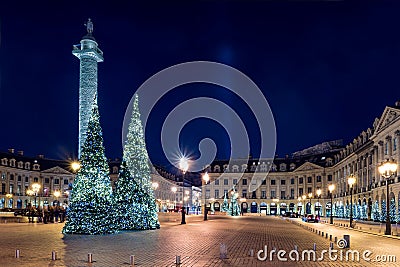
[[128, 198], [225, 204], [383, 211], [392, 212], [137, 161], [234, 208], [375, 211], [91, 206]]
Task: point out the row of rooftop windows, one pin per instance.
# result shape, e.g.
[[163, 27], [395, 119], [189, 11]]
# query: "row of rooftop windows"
[[19, 164], [244, 181]]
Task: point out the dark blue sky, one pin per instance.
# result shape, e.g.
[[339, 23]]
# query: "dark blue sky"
[[327, 69]]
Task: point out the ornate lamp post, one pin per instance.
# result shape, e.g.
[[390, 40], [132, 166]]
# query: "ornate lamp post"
[[387, 170], [184, 166], [30, 193], [206, 178], [304, 207], [298, 199], [174, 189], [36, 188], [331, 188], [319, 191], [57, 194], [351, 181], [309, 195]]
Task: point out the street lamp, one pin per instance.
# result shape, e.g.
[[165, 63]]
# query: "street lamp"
[[30, 193], [387, 170], [331, 187], [36, 188], [351, 181], [299, 200], [319, 191], [184, 166], [304, 206], [309, 201], [174, 189], [206, 178]]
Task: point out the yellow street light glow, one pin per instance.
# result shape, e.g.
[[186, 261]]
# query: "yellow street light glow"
[[331, 187], [29, 192], [36, 187], [57, 194], [304, 197], [387, 169], [206, 178], [174, 189], [351, 180], [319, 191], [75, 165]]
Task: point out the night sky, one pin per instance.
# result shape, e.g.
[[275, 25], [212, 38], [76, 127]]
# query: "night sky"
[[327, 69]]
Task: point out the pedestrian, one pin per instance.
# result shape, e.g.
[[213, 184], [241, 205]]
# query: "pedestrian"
[[56, 213]]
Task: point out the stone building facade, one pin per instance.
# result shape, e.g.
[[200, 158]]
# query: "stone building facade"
[[280, 185]]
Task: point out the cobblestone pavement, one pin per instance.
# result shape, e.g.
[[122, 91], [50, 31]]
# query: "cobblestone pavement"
[[197, 242]]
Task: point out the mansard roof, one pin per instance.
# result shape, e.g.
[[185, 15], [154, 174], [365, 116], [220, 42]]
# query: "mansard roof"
[[315, 160]]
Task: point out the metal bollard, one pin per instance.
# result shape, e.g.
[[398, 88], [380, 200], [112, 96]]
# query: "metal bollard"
[[330, 237], [90, 258], [326, 235], [251, 253], [223, 251], [295, 247], [335, 239], [331, 245], [17, 253], [132, 260], [178, 260], [322, 233], [54, 255], [315, 247]]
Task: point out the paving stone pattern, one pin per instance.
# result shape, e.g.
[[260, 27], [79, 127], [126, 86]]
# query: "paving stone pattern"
[[197, 243]]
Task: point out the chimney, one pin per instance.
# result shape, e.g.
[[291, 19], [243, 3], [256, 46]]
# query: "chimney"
[[397, 104], [41, 156], [11, 150], [21, 152]]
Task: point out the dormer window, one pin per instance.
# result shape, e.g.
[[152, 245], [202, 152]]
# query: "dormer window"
[[36, 167], [27, 165], [235, 168], [12, 162], [244, 167], [4, 161], [217, 168], [273, 167], [292, 166], [282, 167], [226, 167]]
